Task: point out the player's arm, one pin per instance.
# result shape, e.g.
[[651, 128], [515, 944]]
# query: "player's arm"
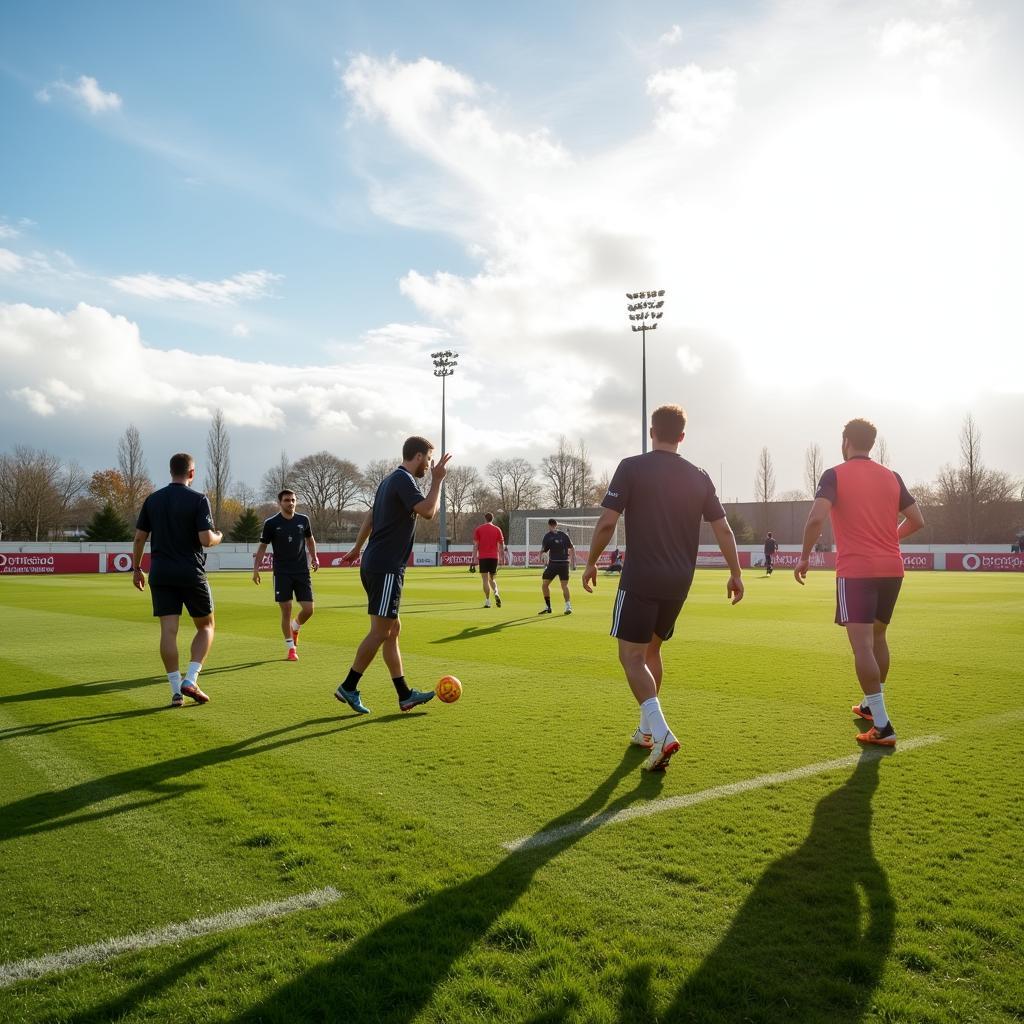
[[256, 559], [138, 547], [210, 538], [572, 557], [603, 533], [812, 531], [913, 521], [476, 548], [314, 562], [361, 538], [727, 545], [427, 508]]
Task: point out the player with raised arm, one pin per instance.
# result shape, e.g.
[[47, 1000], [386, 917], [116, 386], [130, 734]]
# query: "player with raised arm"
[[488, 544], [664, 499], [865, 501], [291, 536], [559, 555], [178, 523], [390, 526]]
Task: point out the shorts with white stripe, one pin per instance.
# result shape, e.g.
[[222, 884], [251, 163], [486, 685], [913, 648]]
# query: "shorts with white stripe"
[[872, 599], [383, 592], [637, 619]]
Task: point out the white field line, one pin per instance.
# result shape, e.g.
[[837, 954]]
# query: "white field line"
[[675, 803], [56, 963]]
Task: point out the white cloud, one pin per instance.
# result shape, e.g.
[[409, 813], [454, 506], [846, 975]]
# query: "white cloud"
[[6, 231], [936, 42], [51, 395], [672, 36], [250, 285], [35, 400], [240, 330], [696, 105], [688, 359], [86, 90], [10, 262]]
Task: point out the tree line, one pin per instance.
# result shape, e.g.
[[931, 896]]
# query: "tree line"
[[44, 498]]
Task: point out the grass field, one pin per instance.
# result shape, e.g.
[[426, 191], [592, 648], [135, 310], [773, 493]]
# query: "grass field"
[[889, 888]]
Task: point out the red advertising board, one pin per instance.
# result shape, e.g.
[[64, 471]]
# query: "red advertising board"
[[122, 562], [42, 563], [984, 561]]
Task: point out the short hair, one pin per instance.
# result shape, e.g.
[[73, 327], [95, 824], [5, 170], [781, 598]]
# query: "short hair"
[[181, 463], [861, 434], [769, 533], [552, 522], [415, 446], [281, 494], [489, 517], [668, 421]]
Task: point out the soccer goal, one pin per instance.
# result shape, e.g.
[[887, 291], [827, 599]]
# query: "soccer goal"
[[579, 530]]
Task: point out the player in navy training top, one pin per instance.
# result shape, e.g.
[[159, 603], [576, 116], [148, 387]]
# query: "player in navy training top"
[[390, 527], [560, 554], [179, 524], [291, 536], [771, 545], [664, 498]]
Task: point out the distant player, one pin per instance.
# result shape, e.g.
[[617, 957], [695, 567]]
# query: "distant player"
[[770, 547], [390, 526], [865, 501], [291, 536], [178, 523], [560, 556], [664, 499], [488, 545]]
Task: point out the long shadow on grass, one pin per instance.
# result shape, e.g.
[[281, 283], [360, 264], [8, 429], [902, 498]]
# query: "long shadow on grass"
[[99, 686], [162, 780], [391, 974], [811, 940], [471, 632], [15, 732]]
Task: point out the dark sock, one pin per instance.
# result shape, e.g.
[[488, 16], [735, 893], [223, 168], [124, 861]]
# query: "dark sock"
[[351, 683], [401, 688], [547, 601]]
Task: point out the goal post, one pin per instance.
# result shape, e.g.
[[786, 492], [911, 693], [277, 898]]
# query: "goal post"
[[579, 529]]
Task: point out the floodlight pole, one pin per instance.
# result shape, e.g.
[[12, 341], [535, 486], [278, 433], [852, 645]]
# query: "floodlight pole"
[[444, 366], [644, 308]]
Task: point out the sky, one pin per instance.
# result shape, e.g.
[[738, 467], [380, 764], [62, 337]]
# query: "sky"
[[280, 211]]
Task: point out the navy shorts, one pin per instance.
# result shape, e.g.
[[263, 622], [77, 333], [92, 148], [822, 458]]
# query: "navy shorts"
[[866, 600], [489, 565], [638, 619], [286, 584], [168, 598], [559, 569], [383, 592]]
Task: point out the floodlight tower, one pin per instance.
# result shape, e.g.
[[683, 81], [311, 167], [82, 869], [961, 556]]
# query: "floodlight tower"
[[444, 366], [645, 310]]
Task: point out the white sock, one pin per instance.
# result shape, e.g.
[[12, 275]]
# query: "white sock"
[[876, 702], [295, 626], [651, 713], [174, 678], [568, 605], [192, 675], [289, 643], [643, 727], [495, 589]]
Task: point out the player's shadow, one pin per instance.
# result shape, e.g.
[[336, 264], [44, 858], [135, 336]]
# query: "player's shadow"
[[100, 686], [811, 940], [472, 632], [155, 782], [391, 974], [46, 728]]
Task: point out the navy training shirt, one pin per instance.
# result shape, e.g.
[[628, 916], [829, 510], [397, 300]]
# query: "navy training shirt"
[[557, 545], [288, 539], [174, 516], [394, 523], [664, 499]]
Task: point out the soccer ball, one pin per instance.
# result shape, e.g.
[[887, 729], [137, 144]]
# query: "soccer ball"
[[448, 689]]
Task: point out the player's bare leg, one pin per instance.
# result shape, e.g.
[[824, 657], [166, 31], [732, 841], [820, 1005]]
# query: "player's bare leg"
[[881, 645], [286, 619], [201, 644], [485, 582], [545, 589], [169, 642], [642, 681], [294, 625], [565, 594], [494, 586], [862, 637], [390, 651]]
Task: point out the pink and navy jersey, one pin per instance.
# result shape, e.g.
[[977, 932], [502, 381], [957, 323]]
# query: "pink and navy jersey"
[[866, 502], [489, 539]]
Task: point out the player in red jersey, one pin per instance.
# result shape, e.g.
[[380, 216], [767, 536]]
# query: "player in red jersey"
[[488, 545], [865, 501]]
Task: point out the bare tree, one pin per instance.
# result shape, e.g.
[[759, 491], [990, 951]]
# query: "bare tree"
[[514, 482], [132, 464], [460, 484], [327, 486], [883, 452], [563, 474], [582, 476], [276, 479], [764, 482], [245, 495], [373, 475], [348, 486], [814, 466], [36, 492], [218, 469]]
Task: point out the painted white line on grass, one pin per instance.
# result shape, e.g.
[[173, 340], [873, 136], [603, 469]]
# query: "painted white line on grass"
[[56, 963], [675, 803]]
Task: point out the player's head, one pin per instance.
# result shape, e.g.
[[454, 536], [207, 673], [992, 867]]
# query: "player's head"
[[858, 438], [183, 467], [416, 454], [769, 533], [552, 523], [668, 424], [488, 517], [287, 500]]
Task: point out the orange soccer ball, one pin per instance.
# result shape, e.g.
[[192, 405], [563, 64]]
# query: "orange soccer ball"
[[448, 689]]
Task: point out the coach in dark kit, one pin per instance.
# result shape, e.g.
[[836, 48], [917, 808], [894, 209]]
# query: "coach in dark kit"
[[178, 523]]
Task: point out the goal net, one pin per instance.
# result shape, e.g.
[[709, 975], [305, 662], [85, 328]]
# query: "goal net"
[[525, 550]]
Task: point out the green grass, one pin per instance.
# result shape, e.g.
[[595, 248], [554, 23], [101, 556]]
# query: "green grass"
[[888, 891]]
